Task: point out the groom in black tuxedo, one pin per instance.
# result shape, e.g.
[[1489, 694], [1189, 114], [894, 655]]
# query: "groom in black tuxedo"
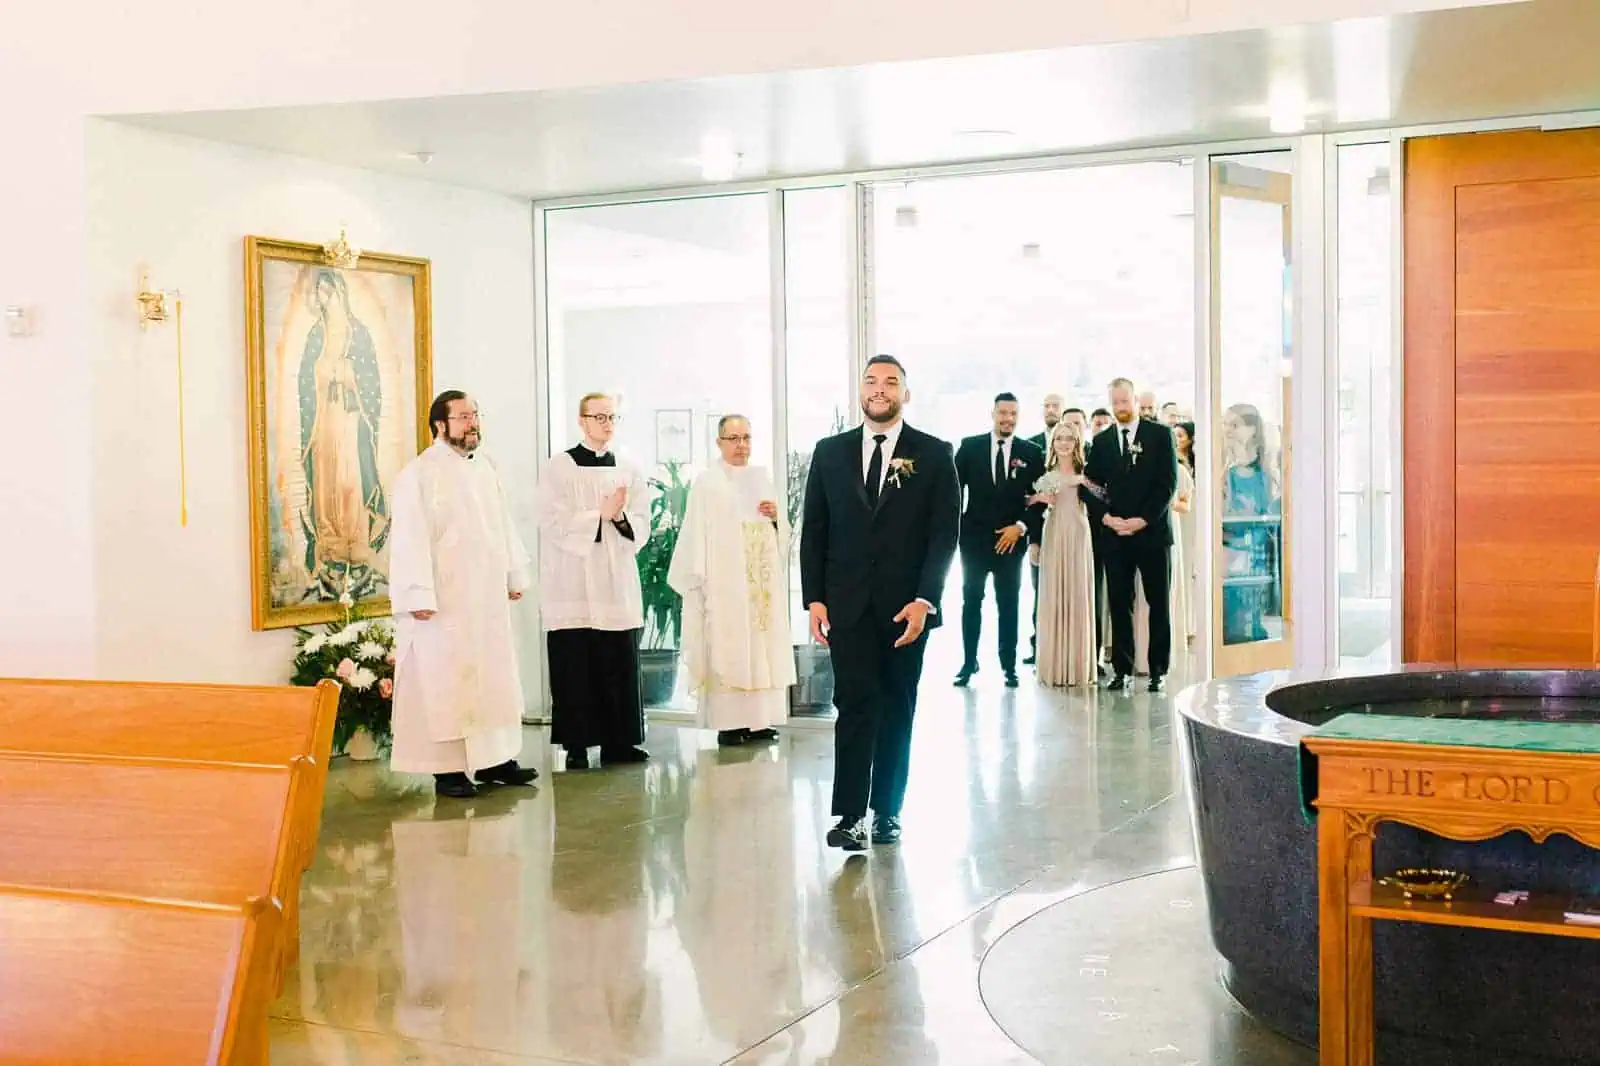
[[1132, 472], [997, 471], [879, 530]]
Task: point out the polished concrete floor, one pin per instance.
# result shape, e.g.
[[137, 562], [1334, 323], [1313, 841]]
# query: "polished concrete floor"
[[686, 911]]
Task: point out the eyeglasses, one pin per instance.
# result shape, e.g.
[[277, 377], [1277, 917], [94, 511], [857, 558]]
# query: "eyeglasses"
[[746, 439], [604, 420]]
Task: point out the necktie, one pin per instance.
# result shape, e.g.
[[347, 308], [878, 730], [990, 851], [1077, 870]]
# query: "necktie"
[[1000, 463], [875, 469], [1127, 447]]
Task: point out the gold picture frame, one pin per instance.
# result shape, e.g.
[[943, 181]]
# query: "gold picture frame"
[[338, 379]]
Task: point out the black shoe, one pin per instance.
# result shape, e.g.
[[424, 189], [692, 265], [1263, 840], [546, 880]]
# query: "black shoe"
[[886, 830], [454, 786], [578, 759], [611, 756], [759, 736], [1032, 660], [732, 738], [965, 675], [1119, 683], [1157, 684], [1011, 679], [850, 834], [507, 773]]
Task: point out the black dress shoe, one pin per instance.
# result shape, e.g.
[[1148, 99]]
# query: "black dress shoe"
[[732, 738], [1119, 683], [1157, 683], [850, 834], [507, 773], [1032, 660], [965, 675], [886, 830], [623, 755], [454, 786], [578, 759], [760, 736], [1011, 679]]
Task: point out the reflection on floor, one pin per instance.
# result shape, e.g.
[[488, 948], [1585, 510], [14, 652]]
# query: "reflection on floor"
[[686, 912]]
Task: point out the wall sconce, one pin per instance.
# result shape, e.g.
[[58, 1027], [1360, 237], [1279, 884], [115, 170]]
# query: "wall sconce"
[[153, 302], [341, 253]]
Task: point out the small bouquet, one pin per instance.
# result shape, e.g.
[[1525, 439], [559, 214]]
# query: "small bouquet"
[[359, 654], [1050, 484]]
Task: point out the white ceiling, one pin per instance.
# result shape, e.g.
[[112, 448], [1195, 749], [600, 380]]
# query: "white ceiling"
[[1517, 59]]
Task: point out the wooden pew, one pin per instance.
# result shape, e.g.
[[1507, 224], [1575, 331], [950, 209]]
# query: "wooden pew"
[[254, 725], [93, 981]]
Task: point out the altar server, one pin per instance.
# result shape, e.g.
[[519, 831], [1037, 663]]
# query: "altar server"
[[594, 518]]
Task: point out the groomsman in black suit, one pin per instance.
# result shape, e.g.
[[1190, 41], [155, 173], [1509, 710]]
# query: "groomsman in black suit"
[[997, 471], [881, 516], [1133, 474]]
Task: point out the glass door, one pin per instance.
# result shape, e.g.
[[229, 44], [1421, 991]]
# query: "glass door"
[[1252, 331]]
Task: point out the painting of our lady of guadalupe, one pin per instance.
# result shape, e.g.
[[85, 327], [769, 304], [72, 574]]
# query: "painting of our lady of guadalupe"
[[339, 379]]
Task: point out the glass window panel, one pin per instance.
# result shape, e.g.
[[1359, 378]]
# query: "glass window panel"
[[666, 305], [1036, 282], [1365, 371], [1254, 332], [819, 392]]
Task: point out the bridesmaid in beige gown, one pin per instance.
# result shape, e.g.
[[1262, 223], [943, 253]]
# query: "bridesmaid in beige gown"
[[1066, 567]]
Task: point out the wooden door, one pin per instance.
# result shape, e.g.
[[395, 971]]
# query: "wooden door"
[[1502, 395]]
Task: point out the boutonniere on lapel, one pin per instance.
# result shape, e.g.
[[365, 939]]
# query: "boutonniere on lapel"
[[1134, 451], [899, 470], [1016, 464]]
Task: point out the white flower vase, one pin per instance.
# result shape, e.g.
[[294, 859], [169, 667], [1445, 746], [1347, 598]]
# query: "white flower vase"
[[363, 746]]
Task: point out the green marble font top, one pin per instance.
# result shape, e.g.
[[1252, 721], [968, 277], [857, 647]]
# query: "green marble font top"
[[1573, 738], [1578, 738]]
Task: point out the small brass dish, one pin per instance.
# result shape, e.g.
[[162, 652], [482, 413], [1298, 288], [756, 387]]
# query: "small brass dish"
[[1426, 884]]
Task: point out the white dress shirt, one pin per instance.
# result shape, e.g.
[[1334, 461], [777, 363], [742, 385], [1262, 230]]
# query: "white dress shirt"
[[868, 445], [1004, 445]]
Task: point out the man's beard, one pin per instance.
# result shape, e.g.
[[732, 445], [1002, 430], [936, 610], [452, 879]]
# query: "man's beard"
[[1051, 421], [467, 442], [888, 416]]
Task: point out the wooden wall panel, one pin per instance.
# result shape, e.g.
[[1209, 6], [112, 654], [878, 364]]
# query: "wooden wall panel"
[[1502, 372]]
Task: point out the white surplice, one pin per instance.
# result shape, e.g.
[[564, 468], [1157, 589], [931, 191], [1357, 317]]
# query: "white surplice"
[[588, 577], [454, 550], [728, 566]]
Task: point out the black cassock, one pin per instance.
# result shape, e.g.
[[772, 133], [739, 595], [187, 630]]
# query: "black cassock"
[[594, 673]]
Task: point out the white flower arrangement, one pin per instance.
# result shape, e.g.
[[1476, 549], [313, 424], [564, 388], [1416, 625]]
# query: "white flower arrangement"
[[363, 679], [370, 651], [359, 654], [1049, 484]]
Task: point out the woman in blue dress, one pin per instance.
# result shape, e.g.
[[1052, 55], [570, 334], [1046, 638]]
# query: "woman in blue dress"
[[1252, 524]]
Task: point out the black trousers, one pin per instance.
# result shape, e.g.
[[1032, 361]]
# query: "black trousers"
[[875, 690], [594, 688], [1098, 549], [978, 561], [1033, 642], [1149, 560]]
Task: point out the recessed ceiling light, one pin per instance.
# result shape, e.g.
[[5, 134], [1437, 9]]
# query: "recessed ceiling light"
[[423, 156]]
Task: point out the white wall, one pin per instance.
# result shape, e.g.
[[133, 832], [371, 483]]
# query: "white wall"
[[173, 603]]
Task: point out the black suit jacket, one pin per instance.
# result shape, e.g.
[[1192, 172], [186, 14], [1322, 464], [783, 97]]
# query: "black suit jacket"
[[990, 507], [1143, 488], [855, 558]]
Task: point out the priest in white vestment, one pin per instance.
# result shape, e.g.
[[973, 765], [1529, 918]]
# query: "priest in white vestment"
[[728, 567], [456, 564], [593, 517]]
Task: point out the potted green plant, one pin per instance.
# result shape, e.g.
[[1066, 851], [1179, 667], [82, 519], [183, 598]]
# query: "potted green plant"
[[812, 692], [663, 608]]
